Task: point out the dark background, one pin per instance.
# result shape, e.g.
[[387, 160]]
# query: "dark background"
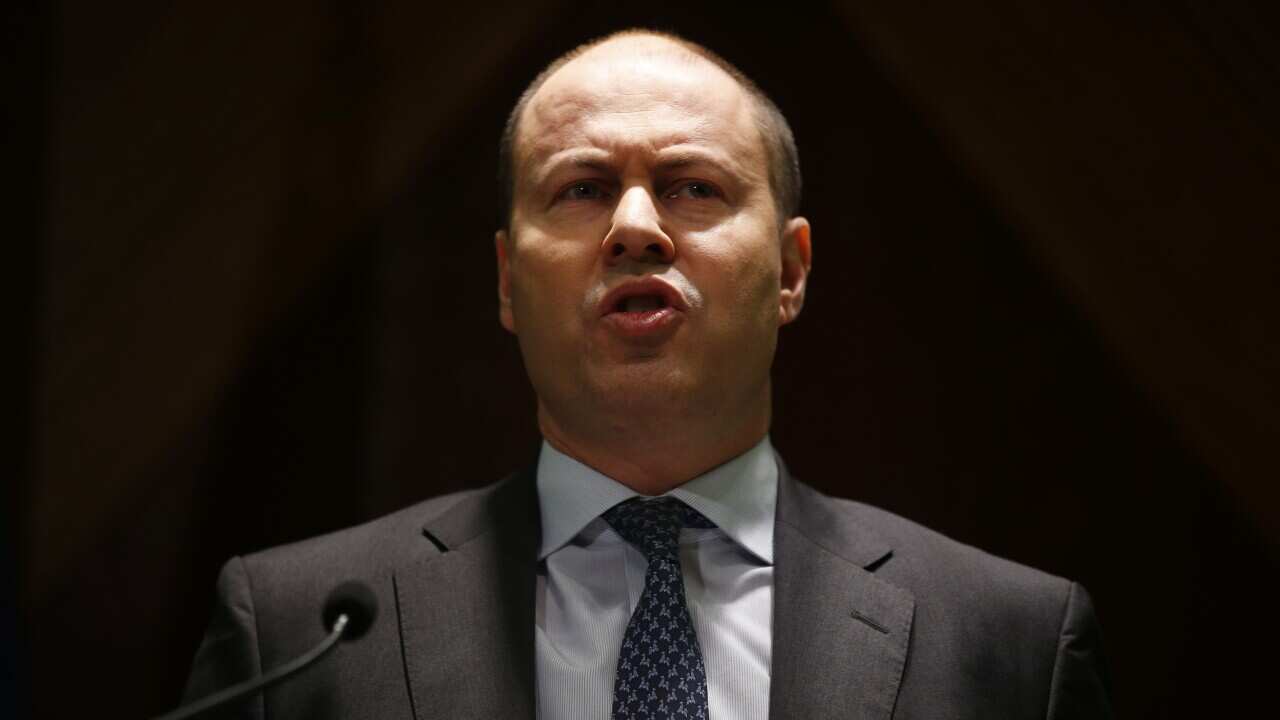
[[1042, 319]]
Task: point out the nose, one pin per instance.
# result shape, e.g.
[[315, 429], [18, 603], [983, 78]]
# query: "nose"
[[636, 233]]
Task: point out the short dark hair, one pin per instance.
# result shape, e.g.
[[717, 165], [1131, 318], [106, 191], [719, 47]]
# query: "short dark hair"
[[779, 142]]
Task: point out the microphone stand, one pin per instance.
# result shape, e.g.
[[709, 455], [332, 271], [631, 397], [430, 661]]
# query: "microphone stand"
[[237, 691]]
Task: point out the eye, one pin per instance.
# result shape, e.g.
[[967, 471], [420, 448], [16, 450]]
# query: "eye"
[[694, 190], [583, 190]]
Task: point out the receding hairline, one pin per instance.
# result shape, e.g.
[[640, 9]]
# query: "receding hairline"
[[530, 124], [646, 45], [779, 143]]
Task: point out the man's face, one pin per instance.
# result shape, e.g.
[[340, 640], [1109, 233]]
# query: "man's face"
[[646, 268]]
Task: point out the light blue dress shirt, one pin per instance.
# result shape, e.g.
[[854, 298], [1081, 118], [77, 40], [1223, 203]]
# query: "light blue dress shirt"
[[590, 579]]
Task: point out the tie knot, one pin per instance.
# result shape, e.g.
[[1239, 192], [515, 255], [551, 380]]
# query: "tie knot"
[[653, 526]]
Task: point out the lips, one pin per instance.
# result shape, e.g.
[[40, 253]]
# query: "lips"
[[642, 296], [646, 310]]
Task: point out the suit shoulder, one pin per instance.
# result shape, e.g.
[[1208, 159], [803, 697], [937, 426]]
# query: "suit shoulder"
[[364, 550], [923, 559]]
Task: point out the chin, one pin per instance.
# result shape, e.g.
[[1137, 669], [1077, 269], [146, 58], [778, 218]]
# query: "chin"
[[643, 383]]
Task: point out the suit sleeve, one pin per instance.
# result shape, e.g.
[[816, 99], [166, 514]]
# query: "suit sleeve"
[[1081, 685], [229, 652]]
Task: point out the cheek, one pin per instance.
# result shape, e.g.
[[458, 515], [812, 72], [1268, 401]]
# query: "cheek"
[[544, 267], [548, 286], [744, 280]]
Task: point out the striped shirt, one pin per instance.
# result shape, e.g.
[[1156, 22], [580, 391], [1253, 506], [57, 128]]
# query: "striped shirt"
[[590, 579]]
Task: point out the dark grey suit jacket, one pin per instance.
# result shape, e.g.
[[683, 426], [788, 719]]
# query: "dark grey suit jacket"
[[874, 617]]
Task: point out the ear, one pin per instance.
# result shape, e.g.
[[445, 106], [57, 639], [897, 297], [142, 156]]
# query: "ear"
[[502, 248], [797, 259]]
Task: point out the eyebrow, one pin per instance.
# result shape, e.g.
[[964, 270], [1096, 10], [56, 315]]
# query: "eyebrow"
[[684, 157], [601, 160]]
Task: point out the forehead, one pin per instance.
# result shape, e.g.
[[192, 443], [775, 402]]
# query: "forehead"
[[639, 95]]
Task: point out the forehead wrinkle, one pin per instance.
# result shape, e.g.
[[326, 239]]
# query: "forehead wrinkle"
[[609, 138], [626, 132]]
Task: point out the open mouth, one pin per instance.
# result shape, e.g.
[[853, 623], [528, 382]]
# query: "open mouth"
[[640, 304], [647, 310], [642, 297]]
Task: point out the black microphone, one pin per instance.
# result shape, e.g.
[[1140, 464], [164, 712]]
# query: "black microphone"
[[355, 600], [349, 612]]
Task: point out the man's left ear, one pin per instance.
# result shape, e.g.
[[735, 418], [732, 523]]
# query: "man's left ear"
[[797, 259]]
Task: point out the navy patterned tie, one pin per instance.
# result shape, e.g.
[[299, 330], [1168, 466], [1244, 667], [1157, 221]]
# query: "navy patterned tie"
[[660, 670]]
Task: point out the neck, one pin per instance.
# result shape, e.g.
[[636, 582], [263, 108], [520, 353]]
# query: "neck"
[[654, 455]]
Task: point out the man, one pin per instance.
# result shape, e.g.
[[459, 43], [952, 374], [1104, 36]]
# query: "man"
[[651, 253]]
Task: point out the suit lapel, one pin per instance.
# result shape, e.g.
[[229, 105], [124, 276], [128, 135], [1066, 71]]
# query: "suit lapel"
[[840, 633], [466, 615]]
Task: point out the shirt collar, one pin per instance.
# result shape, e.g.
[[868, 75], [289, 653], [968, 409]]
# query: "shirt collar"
[[739, 496]]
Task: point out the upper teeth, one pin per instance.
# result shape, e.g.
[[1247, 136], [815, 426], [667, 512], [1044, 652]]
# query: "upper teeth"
[[641, 303]]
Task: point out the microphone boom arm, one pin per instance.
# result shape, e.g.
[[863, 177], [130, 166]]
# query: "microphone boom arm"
[[236, 691]]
